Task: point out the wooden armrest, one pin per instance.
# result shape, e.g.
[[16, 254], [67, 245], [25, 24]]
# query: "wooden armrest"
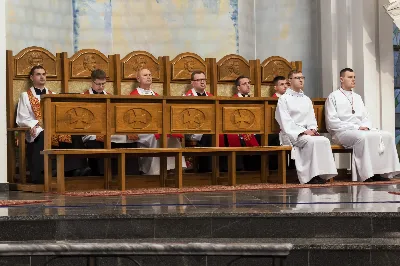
[[18, 129]]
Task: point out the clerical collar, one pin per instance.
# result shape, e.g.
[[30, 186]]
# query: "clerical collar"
[[294, 93], [243, 95], [95, 92], [278, 94], [40, 92], [200, 94], [145, 92]]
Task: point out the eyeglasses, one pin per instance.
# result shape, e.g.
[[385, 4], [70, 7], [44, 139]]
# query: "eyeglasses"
[[200, 80], [100, 84], [299, 78]]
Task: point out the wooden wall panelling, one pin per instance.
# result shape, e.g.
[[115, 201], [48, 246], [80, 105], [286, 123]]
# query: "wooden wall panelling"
[[64, 72], [10, 117], [212, 75], [10, 89], [256, 78], [116, 65], [167, 76]]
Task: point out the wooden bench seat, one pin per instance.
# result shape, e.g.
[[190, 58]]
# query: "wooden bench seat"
[[120, 154]]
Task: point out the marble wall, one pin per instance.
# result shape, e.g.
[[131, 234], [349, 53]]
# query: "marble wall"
[[44, 23], [289, 28], [210, 28]]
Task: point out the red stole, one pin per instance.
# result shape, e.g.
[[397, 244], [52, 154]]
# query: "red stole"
[[275, 96], [35, 104]]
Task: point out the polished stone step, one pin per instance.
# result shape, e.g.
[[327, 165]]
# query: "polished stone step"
[[231, 225]]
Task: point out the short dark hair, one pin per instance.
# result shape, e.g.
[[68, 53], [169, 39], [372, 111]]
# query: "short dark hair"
[[196, 72], [277, 79], [291, 73], [344, 70], [238, 79], [98, 74], [34, 68]]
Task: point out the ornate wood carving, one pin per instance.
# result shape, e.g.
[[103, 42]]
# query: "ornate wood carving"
[[184, 64], [232, 66], [85, 61], [275, 66], [35, 56], [138, 118], [196, 118], [243, 119], [73, 117], [138, 60]]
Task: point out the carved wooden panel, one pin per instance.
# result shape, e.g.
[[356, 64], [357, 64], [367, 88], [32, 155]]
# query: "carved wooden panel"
[[138, 118], [184, 64], [275, 66], [242, 119], [194, 118], [274, 125], [35, 56], [232, 66], [85, 61], [80, 118], [139, 60]]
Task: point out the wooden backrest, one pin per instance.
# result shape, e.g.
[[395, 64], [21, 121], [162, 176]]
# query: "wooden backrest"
[[18, 81], [135, 61], [180, 69], [79, 66], [275, 66], [229, 68]]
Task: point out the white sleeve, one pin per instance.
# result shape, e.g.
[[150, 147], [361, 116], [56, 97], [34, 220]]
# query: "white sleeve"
[[24, 117], [365, 122], [332, 120], [285, 121], [311, 120]]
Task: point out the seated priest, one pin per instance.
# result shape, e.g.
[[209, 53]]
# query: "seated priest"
[[199, 85], [280, 86], [247, 162], [312, 153], [29, 115], [99, 81], [151, 165], [374, 152]]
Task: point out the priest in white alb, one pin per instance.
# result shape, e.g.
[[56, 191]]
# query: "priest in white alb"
[[151, 165], [312, 153], [374, 152]]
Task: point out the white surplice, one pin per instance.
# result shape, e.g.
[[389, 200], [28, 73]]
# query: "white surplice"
[[374, 151], [114, 138], [151, 165], [312, 154], [25, 116]]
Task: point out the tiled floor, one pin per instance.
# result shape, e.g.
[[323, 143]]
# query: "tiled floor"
[[365, 198]]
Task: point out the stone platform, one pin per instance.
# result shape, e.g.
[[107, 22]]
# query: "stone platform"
[[354, 225]]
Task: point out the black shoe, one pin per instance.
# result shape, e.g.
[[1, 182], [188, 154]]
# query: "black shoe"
[[75, 172], [314, 180], [320, 180], [380, 178], [369, 180], [86, 171]]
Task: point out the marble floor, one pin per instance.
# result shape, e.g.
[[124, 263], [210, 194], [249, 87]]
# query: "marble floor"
[[363, 198]]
